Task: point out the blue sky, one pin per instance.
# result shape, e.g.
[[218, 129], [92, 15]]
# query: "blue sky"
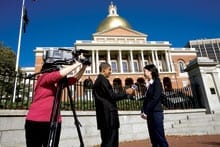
[[60, 23]]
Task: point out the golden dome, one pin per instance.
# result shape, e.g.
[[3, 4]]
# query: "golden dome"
[[113, 20]]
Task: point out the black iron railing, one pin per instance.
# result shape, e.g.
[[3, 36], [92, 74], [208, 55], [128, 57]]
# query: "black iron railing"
[[180, 99], [82, 95]]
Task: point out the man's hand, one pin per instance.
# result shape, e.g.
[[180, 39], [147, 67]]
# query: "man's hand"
[[144, 116]]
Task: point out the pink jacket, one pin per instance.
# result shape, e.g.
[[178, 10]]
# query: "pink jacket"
[[45, 90]]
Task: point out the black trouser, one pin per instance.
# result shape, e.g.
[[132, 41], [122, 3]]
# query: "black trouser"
[[37, 133], [156, 129], [109, 137]]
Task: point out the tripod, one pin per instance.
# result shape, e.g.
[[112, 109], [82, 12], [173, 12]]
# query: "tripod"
[[56, 111]]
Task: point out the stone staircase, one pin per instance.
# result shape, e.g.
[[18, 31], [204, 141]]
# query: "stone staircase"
[[198, 123]]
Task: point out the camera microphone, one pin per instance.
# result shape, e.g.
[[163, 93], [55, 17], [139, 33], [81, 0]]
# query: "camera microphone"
[[134, 86]]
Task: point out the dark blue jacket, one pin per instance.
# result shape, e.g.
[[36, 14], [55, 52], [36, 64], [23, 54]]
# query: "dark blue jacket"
[[152, 98]]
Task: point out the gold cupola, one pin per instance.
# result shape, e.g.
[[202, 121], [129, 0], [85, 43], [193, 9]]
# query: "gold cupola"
[[113, 20]]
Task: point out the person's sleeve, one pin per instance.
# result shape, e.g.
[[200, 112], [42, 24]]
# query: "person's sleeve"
[[155, 99], [72, 80], [55, 77], [52, 77], [111, 93]]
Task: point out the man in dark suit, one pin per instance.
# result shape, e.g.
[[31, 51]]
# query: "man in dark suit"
[[106, 107], [152, 109]]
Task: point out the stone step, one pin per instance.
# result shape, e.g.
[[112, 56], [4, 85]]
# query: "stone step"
[[194, 124], [191, 119], [197, 116], [204, 125], [198, 120], [191, 130]]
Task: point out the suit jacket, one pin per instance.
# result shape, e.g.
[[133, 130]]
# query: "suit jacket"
[[105, 101], [152, 99]]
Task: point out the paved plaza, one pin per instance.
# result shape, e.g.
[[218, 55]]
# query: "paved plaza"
[[180, 141]]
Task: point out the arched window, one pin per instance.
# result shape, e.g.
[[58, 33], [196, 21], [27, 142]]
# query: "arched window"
[[181, 66], [117, 85], [88, 89], [167, 84], [128, 82], [141, 86], [141, 80], [88, 84], [117, 82]]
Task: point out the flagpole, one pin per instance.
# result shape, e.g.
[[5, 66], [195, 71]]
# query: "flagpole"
[[18, 50]]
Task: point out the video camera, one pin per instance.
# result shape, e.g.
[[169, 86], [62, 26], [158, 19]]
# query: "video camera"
[[62, 56]]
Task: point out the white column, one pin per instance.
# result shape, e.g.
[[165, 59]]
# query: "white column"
[[157, 60], [204, 45], [120, 61], [153, 57], [132, 61], [93, 62], [109, 57], [168, 63], [171, 62], [200, 51], [213, 49], [97, 61], [142, 58]]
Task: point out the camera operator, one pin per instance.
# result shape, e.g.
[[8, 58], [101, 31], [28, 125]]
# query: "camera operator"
[[37, 125]]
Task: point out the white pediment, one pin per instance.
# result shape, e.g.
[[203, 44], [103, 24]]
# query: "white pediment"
[[120, 35], [120, 31]]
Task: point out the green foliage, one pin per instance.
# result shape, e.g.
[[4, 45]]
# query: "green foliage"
[[129, 105], [8, 58]]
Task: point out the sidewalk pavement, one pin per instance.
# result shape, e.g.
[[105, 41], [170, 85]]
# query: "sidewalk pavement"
[[180, 141]]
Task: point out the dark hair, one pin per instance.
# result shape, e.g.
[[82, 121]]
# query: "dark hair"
[[103, 66], [153, 69]]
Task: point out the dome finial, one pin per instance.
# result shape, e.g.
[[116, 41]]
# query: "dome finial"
[[112, 10], [113, 20]]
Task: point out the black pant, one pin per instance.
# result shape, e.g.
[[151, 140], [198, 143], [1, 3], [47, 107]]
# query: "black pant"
[[109, 137], [156, 129], [37, 133]]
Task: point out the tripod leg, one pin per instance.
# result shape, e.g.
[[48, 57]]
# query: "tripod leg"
[[77, 123], [54, 116]]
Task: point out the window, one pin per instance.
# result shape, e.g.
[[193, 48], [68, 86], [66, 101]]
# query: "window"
[[114, 66], [125, 66], [113, 12], [181, 66], [160, 66], [88, 71], [136, 66]]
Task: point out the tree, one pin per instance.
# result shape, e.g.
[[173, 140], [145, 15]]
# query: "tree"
[[8, 58], [8, 74], [7, 66]]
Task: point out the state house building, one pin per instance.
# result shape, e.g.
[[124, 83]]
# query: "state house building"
[[128, 51]]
